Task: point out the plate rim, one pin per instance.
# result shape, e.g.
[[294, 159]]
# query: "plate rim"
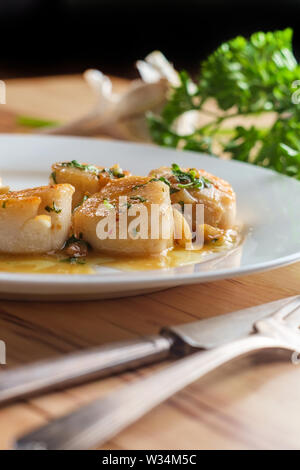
[[143, 277]]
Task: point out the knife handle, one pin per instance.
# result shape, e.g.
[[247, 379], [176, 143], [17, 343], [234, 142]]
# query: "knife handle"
[[97, 422], [75, 368]]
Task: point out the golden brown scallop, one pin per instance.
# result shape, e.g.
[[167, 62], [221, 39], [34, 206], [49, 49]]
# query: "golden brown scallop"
[[35, 220], [193, 186], [140, 196], [86, 179]]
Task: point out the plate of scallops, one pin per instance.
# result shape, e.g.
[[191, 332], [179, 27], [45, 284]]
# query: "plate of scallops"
[[88, 219]]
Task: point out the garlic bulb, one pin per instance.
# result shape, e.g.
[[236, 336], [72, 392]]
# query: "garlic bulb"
[[122, 115]]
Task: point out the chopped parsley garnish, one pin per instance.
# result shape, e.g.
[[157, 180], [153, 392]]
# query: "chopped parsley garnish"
[[189, 179], [114, 172], [161, 178], [107, 204], [117, 172], [83, 167], [138, 198], [164, 180], [53, 209], [185, 179], [141, 185]]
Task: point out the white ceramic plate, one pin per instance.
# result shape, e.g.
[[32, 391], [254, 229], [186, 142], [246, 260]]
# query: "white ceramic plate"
[[268, 207]]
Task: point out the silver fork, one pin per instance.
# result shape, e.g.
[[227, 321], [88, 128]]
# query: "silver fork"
[[97, 422]]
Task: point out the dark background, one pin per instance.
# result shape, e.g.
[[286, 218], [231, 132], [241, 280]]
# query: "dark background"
[[42, 37]]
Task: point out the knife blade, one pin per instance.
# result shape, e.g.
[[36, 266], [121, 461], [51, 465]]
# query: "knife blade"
[[216, 331], [93, 424], [117, 357]]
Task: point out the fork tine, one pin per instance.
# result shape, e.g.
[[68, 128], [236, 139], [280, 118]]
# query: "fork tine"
[[293, 319], [290, 312], [294, 322]]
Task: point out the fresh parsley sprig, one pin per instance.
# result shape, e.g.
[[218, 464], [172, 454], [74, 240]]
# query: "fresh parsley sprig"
[[245, 78]]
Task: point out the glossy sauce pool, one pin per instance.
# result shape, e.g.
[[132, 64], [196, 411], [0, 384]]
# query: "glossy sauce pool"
[[59, 264]]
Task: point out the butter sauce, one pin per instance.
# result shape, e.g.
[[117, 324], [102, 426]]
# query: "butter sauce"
[[58, 264]]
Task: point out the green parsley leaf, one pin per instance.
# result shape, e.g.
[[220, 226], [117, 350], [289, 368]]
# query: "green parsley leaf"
[[53, 209], [34, 122], [107, 204], [80, 166], [245, 77], [114, 172], [189, 179], [138, 198]]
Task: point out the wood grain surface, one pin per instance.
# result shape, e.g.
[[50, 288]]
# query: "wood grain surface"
[[253, 403]]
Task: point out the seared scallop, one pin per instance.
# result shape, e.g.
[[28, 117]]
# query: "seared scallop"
[[86, 179], [132, 216], [193, 186], [35, 220]]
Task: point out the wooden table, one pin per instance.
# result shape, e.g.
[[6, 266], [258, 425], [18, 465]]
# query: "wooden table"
[[251, 403]]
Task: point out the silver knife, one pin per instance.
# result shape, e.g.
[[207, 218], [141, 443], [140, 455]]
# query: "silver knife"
[[75, 368], [95, 423]]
